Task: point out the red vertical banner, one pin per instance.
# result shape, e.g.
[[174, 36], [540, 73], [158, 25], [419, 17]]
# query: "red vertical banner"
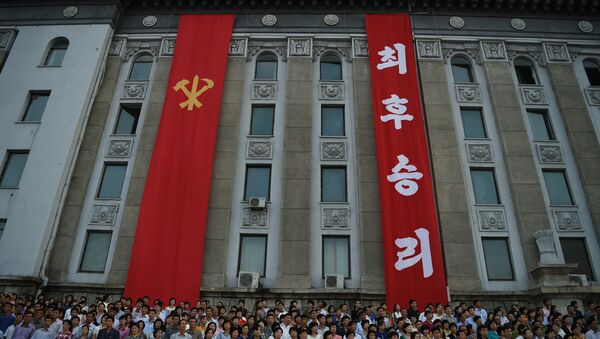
[[166, 260], [413, 261]]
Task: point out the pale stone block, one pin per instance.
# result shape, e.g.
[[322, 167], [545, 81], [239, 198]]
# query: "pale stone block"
[[569, 97], [217, 223], [456, 228], [371, 258], [528, 198], [296, 194], [297, 140], [84, 164], [439, 117], [113, 67], [432, 71], [298, 115], [77, 190], [294, 257], [235, 69], [129, 221], [368, 197], [296, 165], [362, 93], [585, 145], [436, 94], [153, 114], [163, 69], [443, 142], [147, 138], [91, 138], [159, 91], [299, 69], [562, 74], [230, 115], [227, 139], [142, 164], [69, 219], [504, 95], [521, 170], [447, 169], [499, 73], [122, 254], [516, 143], [214, 261], [212, 280], [367, 168], [220, 193], [463, 265], [361, 71], [294, 225], [365, 141], [232, 91], [224, 165], [364, 116], [98, 114], [299, 92], [135, 192], [509, 119], [451, 197], [370, 226]]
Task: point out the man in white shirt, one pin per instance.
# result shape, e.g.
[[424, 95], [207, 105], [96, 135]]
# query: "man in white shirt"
[[594, 332], [480, 311], [286, 324], [182, 334]]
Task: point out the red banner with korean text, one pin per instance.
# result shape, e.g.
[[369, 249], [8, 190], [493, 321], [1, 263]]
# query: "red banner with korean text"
[[413, 261], [166, 259]]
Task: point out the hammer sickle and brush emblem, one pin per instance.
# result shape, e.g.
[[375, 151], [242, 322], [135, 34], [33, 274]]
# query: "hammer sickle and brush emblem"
[[193, 94]]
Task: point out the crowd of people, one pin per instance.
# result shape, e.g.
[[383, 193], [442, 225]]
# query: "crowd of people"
[[47, 318]]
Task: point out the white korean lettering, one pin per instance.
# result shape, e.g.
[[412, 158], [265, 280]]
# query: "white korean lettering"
[[392, 57], [406, 254], [405, 181], [397, 107]]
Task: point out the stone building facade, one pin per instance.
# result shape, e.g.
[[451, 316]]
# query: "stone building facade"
[[511, 94]]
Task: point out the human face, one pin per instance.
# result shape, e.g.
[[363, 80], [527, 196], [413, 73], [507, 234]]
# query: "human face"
[[47, 323]]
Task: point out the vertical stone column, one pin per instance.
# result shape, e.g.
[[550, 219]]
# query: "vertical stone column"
[[294, 244], [580, 131], [455, 224]]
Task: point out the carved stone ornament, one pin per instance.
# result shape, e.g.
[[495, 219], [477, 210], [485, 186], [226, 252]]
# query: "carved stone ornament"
[[593, 96], [472, 49], [5, 38], [255, 46], [546, 247], [549, 154], [468, 94], [342, 47], [557, 52], [149, 21], [493, 50], [480, 153], [331, 90], [237, 47], [300, 47], [255, 217], [429, 49], [168, 47], [491, 220], [269, 20], [534, 50], [259, 149], [132, 47], [70, 11], [331, 19], [360, 48], [518, 24], [567, 221], [264, 90], [119, 148], [456, 22], [533, 95], [134, 90], [116, 46], [104, 214], [585, 26], [335, 218], [333, 150]]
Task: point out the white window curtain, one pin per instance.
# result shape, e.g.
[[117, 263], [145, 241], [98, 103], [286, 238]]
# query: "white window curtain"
[[335, 256], [252, 254]]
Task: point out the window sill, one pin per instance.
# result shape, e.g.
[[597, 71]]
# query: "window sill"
[[261, 136], [28, 122], [562, 206], [49, 66], [107, 199], [488, 205]]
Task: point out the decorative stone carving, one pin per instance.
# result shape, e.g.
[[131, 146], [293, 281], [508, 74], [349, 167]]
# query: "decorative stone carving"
[[269, 20], [518, 24], [480, 153], [119, 148], [468, 94], [429, 49], [545, 243], [331, 90], [360, 48], [549, 154], [491, 220], [299, 47], [593, 96], [134, 90], [533, 95], [335, 218], [5, 38], [333, 150], [557, 52], [343, 47], [135, 46], [255, 46], [456, 22], [168, 47], [493, 50], [331, 19], [255, 217], [116, 46], [70, 11], [149, 21], [533, 50], [567, 221], [585, 26], [104, 214], [259, 149], [237, 47], [449, 48], [264, 90]]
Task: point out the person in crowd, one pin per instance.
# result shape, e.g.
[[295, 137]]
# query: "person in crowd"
[[44, 332], [182, 333], [135, 332], [108, 331]]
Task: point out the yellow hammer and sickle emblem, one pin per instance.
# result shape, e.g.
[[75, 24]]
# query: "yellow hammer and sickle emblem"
[[193, 94]]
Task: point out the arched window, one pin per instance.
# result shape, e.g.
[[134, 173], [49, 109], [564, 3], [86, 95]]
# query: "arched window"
[[592, 69], [57, 52], [142, 65], [266, 67], [331, 67], [462, 70], [525, 71]]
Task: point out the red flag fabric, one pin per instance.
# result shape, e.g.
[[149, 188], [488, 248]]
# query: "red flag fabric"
[[413, 261], [166, 260]]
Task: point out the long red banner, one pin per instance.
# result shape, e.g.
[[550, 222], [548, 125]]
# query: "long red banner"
[[166, 260], [412, 251]]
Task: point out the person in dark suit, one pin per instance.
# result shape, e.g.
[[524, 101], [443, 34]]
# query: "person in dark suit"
[[108, 332]]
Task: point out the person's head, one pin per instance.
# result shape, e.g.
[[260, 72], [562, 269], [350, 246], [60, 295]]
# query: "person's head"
[[506, 331], [235, 332], [108, 321], [158, 333], [328, 334], [67, 326], [277, 332], [482, 331], [437, 332], [85, 329], [594, 324], [226, 326], [209, 333], [135, 329], [312, 328], [47, 322]]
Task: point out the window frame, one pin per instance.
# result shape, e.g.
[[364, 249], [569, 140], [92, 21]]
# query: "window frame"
[[587, 75], [253, 235], [462, 120], [349, 261], [252, 165], [83, 250], [25, 113], [510, 259], [252, 107], [587, 252], [471, 72], [345, 168], [547, 122], [337, 61], [50, 48], [7, 156], [485, 169], [343, 107], [257, 61], [134, 60], [531, 64], [563, 171], [122, 107], [3, 222], [99, 186]]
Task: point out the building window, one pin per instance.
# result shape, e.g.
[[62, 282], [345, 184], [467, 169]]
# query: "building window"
[[557, 187], [525, 70], [95, 251], [253, 253], [261, 121], [56, 53], [541, 128], [36, 106], [497, 259], [331, 67], [2, 226], [127, 121], [332, 121], [592, 70], [575, 252], [13, 169], [266, 67], [258, 182], [333, 184], [473, 124], [484, 186], [142, 65], [336, 255], [111, 184], [461, 69]]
